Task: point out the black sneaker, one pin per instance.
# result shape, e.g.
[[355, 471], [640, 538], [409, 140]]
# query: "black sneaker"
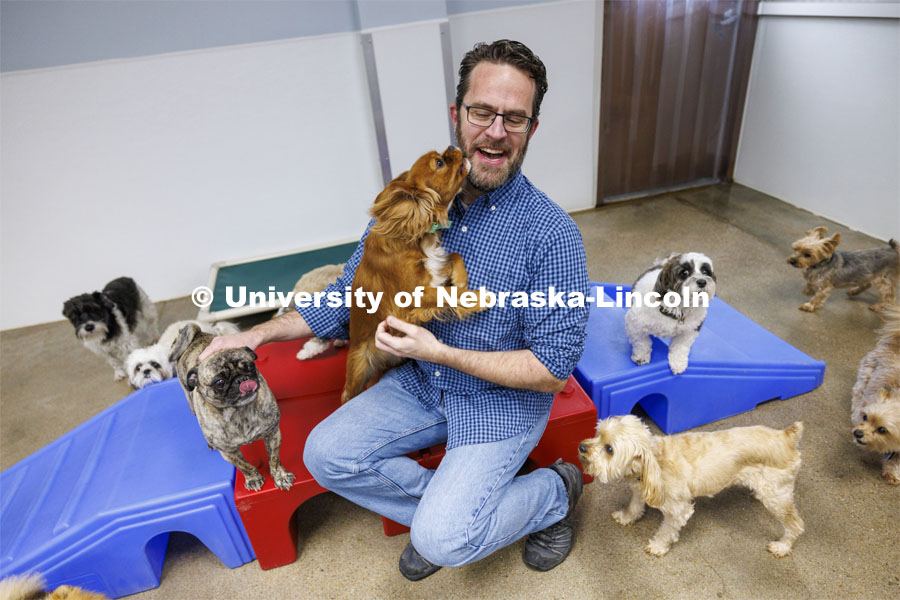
[[547, 548], [414, 566]]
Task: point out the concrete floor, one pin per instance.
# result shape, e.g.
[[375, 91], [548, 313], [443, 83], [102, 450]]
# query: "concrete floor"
[[851, 547]]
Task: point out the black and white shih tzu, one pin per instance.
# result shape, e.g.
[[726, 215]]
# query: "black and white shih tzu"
[[685, 275], [151, 364], [113, 322]]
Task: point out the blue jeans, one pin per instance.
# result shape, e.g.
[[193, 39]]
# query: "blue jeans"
[[470, 506]]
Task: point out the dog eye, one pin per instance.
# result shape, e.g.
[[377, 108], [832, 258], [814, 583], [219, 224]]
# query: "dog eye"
[[219, 384], [705, 270], [683, 274], [154, 364], [865, 418], [609, 449], [881, 430], [439, 163], [137, 368], [806, 255]]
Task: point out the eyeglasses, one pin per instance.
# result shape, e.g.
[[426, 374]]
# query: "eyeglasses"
[[483, 117]]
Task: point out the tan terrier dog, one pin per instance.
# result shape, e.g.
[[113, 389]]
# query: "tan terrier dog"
[[668, 472], [826, 269], [875, 405]]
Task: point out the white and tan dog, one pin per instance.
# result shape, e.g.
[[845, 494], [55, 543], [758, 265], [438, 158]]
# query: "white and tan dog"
[[668, 472], [151, 364], [680, 274], [315, 280]]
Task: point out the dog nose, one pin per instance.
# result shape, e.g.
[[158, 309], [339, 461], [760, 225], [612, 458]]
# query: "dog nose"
[[582, 448], [857, 433], [701, 283], [89, 327], [146, 372], [792, 261]]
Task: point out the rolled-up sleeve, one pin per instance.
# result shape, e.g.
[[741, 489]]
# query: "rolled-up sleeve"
[[332, 322], [554, 334]]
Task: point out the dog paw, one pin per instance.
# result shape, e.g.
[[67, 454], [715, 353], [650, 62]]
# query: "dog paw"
[[283, 479], [253, 482], [622, 518], [640, 359], [808, 307], [119, 375], [779, 549], [341, 343], [678, 365], [656, 548], [890, 478]]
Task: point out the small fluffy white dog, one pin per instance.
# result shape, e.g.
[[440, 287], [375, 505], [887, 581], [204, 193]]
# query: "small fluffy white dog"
[[151, 364], [314, 281], [688, 274], [668, 472]]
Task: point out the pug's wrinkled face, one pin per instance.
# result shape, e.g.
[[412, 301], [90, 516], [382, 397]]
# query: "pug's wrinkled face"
[[227, 379]]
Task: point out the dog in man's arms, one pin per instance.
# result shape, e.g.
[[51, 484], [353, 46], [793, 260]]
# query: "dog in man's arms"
[[403, 251]]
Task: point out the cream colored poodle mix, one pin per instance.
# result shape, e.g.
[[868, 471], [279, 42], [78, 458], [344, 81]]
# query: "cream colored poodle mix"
[[668, 472]]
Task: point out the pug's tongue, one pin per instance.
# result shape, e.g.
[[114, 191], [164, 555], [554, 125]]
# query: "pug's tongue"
[[248, 387]]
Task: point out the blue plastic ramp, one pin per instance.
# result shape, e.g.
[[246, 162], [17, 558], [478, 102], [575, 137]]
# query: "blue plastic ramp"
[[734, 365], [95, 507]]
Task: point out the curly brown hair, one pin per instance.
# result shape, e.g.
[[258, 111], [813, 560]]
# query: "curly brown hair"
[[507, 52]]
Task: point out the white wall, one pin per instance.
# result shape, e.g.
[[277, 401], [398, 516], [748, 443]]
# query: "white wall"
[[157, 167], [562, 155], [821, 126]]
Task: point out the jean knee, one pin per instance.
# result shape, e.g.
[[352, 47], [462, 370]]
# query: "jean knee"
[[441, 540], [321, 455]]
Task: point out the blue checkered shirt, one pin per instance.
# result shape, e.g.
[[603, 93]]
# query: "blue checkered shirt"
[[512, 239]]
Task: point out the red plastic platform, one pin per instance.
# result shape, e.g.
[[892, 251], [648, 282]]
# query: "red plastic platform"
[[573, 418], [307, 392]]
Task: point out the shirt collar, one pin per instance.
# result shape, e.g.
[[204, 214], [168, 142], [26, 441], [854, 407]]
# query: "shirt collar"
[[505, 191]]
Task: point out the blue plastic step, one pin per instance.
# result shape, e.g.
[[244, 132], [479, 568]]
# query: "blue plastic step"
[[95, 507], [735, 364]]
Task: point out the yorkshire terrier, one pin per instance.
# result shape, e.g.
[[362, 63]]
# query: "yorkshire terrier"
[[875, 405], [826, 269], [668, 472]]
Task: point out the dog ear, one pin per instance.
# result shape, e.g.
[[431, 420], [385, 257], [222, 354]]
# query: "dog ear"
[[190, 380], [832, 242], [186, 335], [651, 478], [247, 348], [403, 211], [818, 232], [667, 279]]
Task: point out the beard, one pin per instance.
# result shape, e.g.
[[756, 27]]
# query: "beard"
[[487, 179]]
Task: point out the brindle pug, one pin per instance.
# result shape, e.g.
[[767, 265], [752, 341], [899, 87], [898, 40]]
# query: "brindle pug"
[[232, 403]]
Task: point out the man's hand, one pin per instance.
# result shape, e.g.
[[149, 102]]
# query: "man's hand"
[[418, 343], [249, 339], [511, 368], [290, 326]]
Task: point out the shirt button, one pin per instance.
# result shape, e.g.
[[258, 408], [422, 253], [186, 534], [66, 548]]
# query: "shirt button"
[[464, 229], [493, 208], [437, 373]]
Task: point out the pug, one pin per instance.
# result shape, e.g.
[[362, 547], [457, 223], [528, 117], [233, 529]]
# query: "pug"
[[232, 403]]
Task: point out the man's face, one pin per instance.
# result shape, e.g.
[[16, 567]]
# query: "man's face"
[[495, 154]]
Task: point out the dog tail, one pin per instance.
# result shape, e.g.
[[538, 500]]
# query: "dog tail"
[[22, 587], [795, 432]]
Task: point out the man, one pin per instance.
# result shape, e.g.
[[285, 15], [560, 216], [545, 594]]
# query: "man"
[[483, 385]]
